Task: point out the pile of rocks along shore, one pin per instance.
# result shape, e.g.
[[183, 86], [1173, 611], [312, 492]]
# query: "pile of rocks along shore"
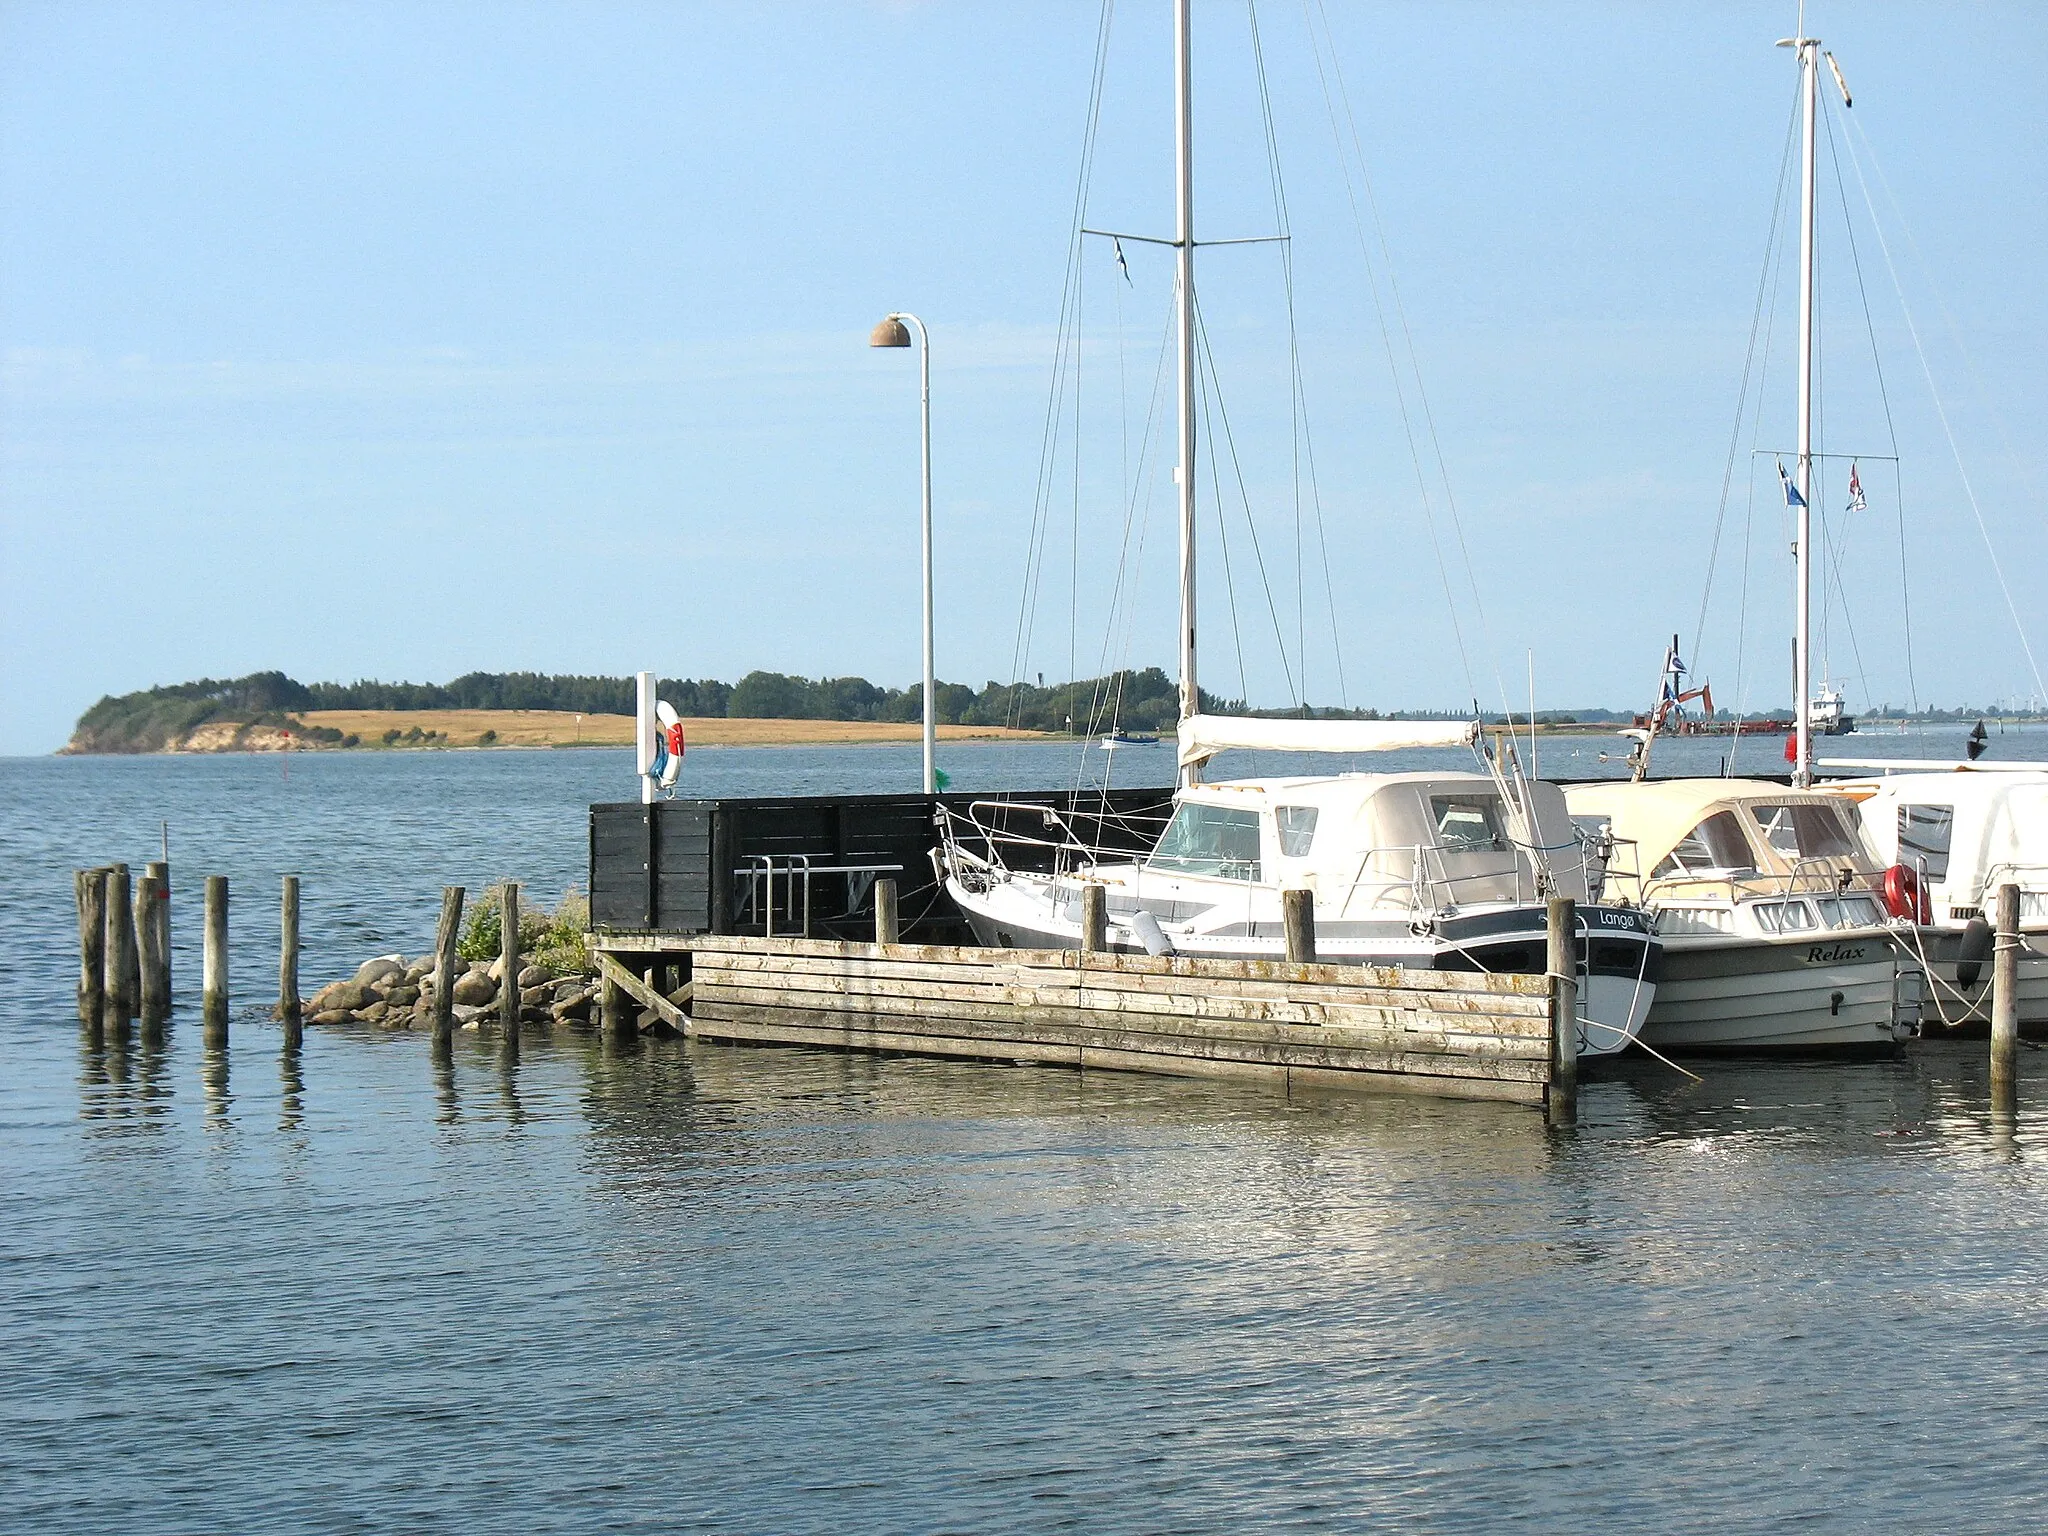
[[394, 993]]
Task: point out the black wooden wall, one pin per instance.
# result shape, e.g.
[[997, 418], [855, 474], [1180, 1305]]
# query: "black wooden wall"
[[678, 866]]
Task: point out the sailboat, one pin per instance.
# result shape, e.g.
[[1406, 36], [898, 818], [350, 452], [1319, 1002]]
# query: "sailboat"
[[1445, 871], [1781, 929]]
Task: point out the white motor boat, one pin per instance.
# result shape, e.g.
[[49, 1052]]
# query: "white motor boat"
[[1438, 871], [1963, 834], [1772, 912]]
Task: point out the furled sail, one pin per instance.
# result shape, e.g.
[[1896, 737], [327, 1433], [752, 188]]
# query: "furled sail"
[[1203, 736]]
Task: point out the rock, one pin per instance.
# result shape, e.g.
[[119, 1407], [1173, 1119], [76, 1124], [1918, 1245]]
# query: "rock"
[[480, 968], [342, 996], [496, 969], [330, 1016], [466, 1016], [424, 966], [535, 997], [533, 976], [374, 1012], [474, 990], [402, 996], [373, 971], [568, 986]]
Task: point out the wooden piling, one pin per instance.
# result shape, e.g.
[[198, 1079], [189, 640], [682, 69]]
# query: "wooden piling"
[[446, 937], [1561, 1100], [1094, 919], [886, 926], [1298, 916], [92, 940], [611, 1004], [508, 956], [119, 966], [288, 1005], [2005, 991], [214, 955], [154, 1001], [160, 912]]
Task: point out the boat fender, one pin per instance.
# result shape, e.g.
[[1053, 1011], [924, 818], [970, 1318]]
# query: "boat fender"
[[1972, 952], [1146, 930], [668, 745], [1904, 895]]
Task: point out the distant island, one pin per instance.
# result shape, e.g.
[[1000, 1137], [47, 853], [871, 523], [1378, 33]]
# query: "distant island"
[[270, 712]]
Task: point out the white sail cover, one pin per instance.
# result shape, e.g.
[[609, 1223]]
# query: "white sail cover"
[[1203, 736]]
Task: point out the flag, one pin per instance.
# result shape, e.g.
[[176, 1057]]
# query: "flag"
[[1118, 246], [1792, 747], [1707, 699], [1856, 501], [1792, 496], [940, 780]]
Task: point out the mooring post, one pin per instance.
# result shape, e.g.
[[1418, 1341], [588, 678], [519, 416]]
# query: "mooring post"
[[886, 929], [213, 967], [154, 1003], [1298, 917], [160, 913], [611, 1004], [508, 958], [1094, 919], [288, 1007], [117, 951], [2005, 992], [446, 938], [92, 941], [1561, 1102]]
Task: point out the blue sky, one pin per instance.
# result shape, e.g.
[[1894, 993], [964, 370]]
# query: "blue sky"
[[403, 340]]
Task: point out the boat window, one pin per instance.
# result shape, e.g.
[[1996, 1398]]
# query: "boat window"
[[1468, 824], [1716, 844], [1848, 912], [1795, 917], [1805, 831], [1297, 825], [1210, 840], [1770, 916], [1924, 832]]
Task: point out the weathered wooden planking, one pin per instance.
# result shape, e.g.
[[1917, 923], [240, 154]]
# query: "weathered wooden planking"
[[1138, 990], [784, 1026], [643, 994], [1247, 1040], [1311, 1008], [1387, 976]]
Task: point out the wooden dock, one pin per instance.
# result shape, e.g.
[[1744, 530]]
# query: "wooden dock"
[[1466, 1035]]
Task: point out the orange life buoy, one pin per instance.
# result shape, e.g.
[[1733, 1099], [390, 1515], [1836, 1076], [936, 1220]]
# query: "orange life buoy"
[[1903, 894]]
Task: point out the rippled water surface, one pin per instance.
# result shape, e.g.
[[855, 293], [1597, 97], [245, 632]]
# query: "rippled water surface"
[[668, 1287]]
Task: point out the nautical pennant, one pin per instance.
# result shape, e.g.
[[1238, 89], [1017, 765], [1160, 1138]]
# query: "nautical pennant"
[[1856, 501], [1792, 496]]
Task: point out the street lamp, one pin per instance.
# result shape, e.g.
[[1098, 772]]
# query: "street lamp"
[[892, 332]]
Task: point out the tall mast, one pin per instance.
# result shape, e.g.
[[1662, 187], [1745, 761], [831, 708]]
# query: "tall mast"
[[1184, 327], [1802, 657]]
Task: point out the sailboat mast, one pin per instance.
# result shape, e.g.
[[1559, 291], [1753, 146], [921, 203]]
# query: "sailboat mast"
[[1802, 655], [1184, 328]]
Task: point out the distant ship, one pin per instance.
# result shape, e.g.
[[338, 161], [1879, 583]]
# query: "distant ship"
[[1828, 715], [1117, 739]]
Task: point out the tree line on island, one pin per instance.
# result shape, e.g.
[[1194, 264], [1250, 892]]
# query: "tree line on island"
[[1142, 699]]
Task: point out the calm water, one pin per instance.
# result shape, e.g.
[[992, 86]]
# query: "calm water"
[[677, 1287]]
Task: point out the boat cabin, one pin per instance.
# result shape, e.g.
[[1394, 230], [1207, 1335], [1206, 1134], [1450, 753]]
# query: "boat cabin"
[[1964, 834], [1710, 843], [1370, 842]]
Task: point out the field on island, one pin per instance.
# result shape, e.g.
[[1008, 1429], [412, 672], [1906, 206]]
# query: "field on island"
[[552, 728]]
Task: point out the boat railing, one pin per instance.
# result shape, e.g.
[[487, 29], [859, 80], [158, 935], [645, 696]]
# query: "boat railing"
[[2031, 878], [798, 873], [1821, 875], [1066, 848]]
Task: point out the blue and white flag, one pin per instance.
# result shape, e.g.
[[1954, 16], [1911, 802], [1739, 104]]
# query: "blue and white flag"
[[1792, 496]]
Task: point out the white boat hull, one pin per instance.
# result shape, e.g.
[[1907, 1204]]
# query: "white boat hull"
[[1832, 993]]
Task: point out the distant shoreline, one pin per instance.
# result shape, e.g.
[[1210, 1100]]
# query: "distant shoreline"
[[444, 730]]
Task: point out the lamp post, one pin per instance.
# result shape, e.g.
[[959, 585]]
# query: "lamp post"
[[892, 332]]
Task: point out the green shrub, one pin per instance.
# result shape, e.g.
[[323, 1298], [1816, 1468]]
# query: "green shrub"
[[392, 735], [551, 940], [487, 738], [351, 740]]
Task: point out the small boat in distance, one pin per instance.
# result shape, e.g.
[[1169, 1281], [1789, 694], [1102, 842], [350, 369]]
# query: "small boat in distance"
[[1117, 739]]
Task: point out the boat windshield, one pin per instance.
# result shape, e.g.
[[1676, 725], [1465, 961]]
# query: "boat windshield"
[[1804, 831], [1715, 845], [1209, 840]]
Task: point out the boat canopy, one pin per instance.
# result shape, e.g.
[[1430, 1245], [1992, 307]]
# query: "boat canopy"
[[1967, 833], [1203, 736]]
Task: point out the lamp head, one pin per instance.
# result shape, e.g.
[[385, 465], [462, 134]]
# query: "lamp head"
[[892, 332]]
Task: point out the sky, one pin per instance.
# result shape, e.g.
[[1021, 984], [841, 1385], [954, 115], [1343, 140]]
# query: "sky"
[[404, 340]]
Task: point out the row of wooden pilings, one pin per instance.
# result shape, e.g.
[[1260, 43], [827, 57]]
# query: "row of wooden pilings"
[[124, 952]]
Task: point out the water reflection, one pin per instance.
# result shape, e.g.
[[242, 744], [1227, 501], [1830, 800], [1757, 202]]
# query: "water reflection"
[[292, 1081], [449, 1106], [213, 1074]]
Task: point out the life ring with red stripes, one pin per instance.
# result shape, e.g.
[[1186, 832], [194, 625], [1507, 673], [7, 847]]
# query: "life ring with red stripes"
[[1904, 895]]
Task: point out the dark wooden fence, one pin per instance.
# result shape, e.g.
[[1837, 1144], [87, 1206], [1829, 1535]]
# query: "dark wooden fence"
[[735, 866]]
